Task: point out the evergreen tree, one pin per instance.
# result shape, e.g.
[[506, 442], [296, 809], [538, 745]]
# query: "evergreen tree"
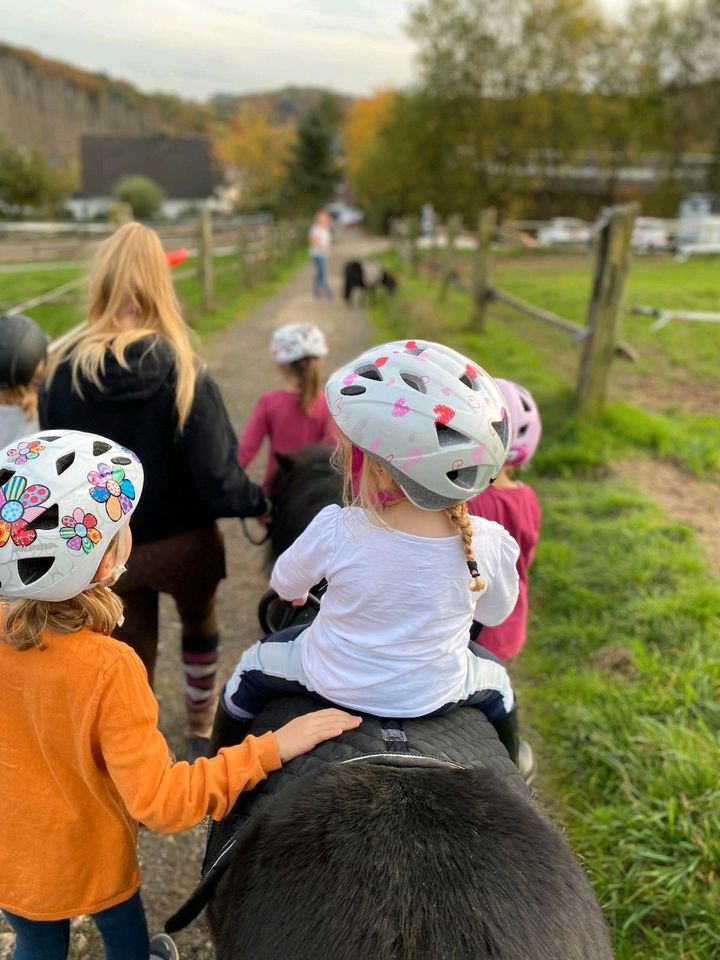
[[313, 167]]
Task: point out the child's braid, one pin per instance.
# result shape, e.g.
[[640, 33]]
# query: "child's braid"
[[459, 518]]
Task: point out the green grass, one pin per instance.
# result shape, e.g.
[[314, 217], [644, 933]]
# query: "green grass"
[[619, 679], [232, 299]]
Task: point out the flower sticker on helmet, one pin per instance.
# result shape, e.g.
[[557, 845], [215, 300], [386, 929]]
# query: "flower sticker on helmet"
[[79, 530], [111, 487], [19, 505], [25, 450]]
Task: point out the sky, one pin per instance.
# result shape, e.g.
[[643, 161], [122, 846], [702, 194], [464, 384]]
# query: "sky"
[[196, 48]]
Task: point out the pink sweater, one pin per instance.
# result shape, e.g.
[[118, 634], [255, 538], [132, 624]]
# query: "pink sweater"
[[277, 415], [518, 510]]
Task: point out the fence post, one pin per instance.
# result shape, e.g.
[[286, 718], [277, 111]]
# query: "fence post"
[[242, 256], [205, 260], [413, 228], [487, 221], [452, 228], [606, 303]]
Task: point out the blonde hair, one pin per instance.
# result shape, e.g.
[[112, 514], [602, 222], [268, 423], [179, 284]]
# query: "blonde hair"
[[25, 620], [130, 277], [375, 480], [307, 372], [23, 395]]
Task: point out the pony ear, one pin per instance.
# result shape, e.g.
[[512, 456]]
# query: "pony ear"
[[285, 461]]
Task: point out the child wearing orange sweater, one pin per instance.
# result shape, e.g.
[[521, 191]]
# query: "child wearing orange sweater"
[[81, 758]]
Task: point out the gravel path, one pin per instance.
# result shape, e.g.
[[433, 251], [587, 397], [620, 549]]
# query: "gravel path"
[[239, 360]]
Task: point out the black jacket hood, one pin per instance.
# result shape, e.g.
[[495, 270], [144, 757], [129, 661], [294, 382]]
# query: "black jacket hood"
[[149, 367]]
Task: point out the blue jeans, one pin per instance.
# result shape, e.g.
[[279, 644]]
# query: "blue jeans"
[[123, 929], [320, 284]]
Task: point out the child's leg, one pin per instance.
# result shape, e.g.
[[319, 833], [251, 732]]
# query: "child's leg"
[[140, 627], [34, 939], [124, 930], [267, 669]]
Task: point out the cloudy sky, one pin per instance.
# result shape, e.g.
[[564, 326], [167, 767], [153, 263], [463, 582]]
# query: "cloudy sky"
[[199, 47]]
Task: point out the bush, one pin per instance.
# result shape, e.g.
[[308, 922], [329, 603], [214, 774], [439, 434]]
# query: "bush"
[[143, 194]]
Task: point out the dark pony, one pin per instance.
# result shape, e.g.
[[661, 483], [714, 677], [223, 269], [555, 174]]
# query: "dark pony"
[[365, 862], [366, 275]]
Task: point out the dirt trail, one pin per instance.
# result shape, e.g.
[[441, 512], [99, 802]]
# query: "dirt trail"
[[683, 497], [239, 360]]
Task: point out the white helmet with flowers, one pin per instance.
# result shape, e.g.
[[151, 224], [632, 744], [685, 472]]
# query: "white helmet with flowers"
[[436, 420], [294, 341], [63, 497]]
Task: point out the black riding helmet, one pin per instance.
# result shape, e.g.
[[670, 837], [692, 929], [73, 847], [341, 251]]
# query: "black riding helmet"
[[23, 346]]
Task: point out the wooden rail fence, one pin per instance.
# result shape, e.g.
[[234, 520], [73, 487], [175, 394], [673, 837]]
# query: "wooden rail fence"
[[600, 334]]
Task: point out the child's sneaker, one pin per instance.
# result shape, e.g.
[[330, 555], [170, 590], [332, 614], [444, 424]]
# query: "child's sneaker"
[[162, 947]]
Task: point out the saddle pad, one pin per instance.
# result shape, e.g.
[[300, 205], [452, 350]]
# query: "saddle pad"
[[463, 738]]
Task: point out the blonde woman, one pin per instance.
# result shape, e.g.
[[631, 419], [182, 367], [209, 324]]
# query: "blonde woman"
[[423, 429], [131, 374]]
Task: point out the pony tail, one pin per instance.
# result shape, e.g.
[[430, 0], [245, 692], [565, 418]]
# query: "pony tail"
[[307, 370], [460, 519]]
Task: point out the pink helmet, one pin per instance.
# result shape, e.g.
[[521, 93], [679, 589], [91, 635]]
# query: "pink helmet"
[[526, 425]]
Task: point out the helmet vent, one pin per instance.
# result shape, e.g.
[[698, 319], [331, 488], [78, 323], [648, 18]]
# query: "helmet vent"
[[353, 391], [369, 371], [465, 477], [526, 406], [468, 381], [447, 437], [34, 568], [100, 447], [415, 351], [49, 438], [121, 461], [65, 462], [501, 428], [523, 429], [47, 520], [6, 475], [412, 380]]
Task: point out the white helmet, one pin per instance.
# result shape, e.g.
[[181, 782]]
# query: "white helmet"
[[63, 497], [436, 420], [294, 341]]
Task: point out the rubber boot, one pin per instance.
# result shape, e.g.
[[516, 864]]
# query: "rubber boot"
[[227, 730], [507, 730]]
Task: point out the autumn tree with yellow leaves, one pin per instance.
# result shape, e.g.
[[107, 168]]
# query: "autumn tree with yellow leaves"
[[257, 147]]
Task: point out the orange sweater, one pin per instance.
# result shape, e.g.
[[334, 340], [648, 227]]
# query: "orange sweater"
[[81, 761]]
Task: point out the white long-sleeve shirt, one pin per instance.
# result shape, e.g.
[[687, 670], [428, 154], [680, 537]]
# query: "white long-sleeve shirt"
[[391, 637]]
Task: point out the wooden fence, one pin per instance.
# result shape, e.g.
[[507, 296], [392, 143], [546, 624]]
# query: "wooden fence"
[[600, 335], [251, 251]]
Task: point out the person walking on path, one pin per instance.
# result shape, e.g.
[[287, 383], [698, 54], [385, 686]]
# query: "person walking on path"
[[320, 239], [23, 351], [131, 374]]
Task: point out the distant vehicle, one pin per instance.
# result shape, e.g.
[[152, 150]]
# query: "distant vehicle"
[[344, 215], [565, 230], [652, 234], [698, 226]]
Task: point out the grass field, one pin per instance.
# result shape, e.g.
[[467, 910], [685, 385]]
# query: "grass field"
[[232, 299], [618, 682]]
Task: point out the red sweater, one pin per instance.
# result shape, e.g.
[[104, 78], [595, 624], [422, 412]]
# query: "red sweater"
[[277, 415], [517, 509]]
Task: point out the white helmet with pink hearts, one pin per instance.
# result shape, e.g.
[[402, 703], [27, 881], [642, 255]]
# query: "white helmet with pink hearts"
[[435, 419]]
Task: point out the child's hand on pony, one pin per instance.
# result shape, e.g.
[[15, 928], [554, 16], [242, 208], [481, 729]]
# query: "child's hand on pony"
[[303, 733]]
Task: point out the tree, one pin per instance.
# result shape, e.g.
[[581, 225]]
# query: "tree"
[[312, 169], [257, 148], [27, 180], [143, 194], [364, 119]]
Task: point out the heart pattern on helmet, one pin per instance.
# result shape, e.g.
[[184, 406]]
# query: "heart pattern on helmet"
[[400, 408], [443, 414]]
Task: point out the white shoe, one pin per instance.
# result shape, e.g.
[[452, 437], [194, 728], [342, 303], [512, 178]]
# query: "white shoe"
[[526, 762], [162, 947]]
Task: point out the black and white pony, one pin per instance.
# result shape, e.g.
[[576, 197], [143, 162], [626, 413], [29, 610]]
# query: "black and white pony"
[[400, 840], [366, 275]]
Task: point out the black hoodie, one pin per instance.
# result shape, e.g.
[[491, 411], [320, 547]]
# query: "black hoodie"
[[191, 477]]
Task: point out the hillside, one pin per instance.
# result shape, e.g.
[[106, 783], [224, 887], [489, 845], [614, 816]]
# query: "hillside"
[[47, 105]]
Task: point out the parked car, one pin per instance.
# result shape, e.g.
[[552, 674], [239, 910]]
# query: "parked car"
[[565, 230], [652, 234], [344, 215]]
